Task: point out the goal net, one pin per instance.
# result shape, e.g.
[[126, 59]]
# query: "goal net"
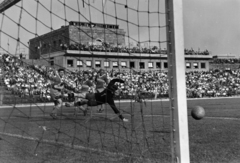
[[93, 41]]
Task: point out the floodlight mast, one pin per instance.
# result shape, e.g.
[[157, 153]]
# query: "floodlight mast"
[[177, 82], [7, 4]]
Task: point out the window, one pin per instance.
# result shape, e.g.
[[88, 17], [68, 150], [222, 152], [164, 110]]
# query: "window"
[[106, 64], [158, 65], [165, 64], [54, 43], [132, 64], [89, 63], [150, 64], [188, 65], [195, 65], [124, 64], [115, 64], [69, 63], [52, 62], [142, 65], [97, 63], [203, 65], [60, 42], [79, 63]]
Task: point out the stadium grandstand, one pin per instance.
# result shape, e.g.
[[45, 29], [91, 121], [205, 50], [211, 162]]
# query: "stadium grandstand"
[[82, 45], [111, 81], [212, 83]]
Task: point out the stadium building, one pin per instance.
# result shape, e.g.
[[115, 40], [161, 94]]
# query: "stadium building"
[[82, 45]]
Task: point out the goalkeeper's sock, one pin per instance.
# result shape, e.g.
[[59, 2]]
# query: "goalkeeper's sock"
[[122, 118]]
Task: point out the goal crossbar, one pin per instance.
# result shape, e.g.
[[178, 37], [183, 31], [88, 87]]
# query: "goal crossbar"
[[7, 4]]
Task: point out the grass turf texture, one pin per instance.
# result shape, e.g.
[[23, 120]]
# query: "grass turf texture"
[[215, 138]]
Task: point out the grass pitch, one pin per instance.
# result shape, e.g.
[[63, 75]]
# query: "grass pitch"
[[30, 135]]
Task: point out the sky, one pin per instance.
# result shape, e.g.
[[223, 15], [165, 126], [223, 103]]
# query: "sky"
[[211, 25]]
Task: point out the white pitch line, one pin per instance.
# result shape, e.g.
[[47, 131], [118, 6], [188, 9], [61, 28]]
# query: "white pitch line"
[[38, 105], [116, 101], [66, 115], [81, 114], [26, 105], [224, 118], [79, 147]]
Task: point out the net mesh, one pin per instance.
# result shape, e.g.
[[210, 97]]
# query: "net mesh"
[[105, 32]]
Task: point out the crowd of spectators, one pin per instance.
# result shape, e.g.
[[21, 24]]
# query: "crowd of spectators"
[[114, 48], [217, 83], [25, 80], [226, 61], [22, 80], [193, 52], [124, 49]]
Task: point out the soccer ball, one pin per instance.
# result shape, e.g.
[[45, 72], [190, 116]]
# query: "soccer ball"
[[198, 112]]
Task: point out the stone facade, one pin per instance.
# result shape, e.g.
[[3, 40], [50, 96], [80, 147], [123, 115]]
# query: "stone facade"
[[87, 35], [49, 42], [72, 34]]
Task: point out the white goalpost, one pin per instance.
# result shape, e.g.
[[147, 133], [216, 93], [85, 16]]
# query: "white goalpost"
[[177, 84]]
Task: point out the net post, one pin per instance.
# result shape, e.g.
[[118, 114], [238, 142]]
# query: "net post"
[[177, 82]]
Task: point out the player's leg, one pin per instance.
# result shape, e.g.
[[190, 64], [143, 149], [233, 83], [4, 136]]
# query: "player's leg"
[[72, 96], [56, 108], [81, 104], [101, 108], [77, 103], [116, 111]]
